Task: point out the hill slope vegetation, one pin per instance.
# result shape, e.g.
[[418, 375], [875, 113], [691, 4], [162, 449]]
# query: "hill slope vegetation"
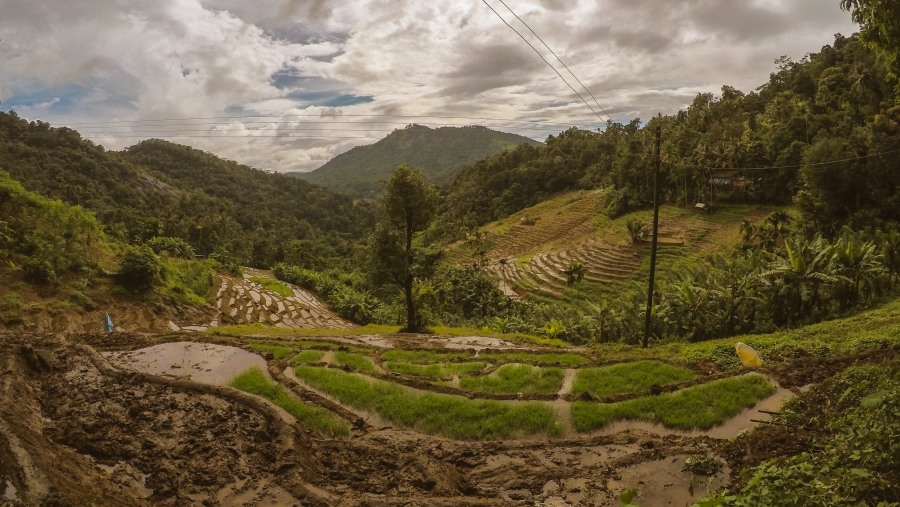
[[161, 189], [438, 152]]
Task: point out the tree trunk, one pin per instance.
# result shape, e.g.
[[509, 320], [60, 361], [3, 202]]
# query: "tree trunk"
[[411, 324]]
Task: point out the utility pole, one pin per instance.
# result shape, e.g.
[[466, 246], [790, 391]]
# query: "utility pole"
[[653, 241]]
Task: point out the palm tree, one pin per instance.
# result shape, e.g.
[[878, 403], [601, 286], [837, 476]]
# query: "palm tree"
[[798, 278], [574, 273], [859, 267]]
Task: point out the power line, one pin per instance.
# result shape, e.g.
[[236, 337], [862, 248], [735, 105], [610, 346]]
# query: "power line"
[[173, 136], [261, 127], [797, 166], [557, 59], [544, 59], [283, 117]]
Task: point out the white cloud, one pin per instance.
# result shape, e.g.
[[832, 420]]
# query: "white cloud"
[[326, 71]]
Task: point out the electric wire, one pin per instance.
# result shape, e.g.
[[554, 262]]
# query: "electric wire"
[[794, 166], [558, 73], [241, 117], [557, 59]]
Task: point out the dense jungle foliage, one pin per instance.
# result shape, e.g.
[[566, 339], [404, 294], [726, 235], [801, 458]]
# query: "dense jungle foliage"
[[821, 135], [158, 189], [837, 104]]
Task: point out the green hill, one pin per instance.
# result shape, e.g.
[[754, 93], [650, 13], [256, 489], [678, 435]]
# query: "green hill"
[[59, 270], [161, 189], [438, 152]]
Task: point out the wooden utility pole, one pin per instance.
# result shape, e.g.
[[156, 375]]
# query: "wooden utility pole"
[[653, 241]]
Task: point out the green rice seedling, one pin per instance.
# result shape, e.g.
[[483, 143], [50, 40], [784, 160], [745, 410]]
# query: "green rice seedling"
[[254, 381], [627, 377], [698, 407], [425, 356], [353, 361], [263, 329], [436, 414], [308, 356], [516, 378], [536, 358], [437, 370], [273, 285], [279, 351]]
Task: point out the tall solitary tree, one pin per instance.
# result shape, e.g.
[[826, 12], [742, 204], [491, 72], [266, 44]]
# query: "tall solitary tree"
[[408, 205]]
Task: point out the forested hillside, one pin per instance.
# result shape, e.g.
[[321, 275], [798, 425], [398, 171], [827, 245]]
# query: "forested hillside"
[[438, 152], [160, 189], [783, 139]]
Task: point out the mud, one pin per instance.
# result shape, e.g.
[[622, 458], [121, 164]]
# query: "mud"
[[201, 362], [78, 426]]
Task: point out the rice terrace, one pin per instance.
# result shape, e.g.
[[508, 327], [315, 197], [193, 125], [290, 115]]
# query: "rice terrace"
[[371, 253]]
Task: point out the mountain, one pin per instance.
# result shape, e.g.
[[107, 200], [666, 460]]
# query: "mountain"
[[161, 189], [438, 152]]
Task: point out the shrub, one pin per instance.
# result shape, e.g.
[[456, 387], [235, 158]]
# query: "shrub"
[[637, 230], [176, 247], [38, 269], [139, 269]]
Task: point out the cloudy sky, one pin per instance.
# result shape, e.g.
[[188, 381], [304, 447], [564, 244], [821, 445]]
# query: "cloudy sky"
[[284, 85]]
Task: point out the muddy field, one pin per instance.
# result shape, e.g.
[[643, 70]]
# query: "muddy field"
[[79, 426]]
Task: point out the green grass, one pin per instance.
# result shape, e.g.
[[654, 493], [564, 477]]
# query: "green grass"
[[870, 330], [354, 361], [437, 370], [437, 414], [699, 407], [516, 378], [261, 329], [627, 377], [537, 358], [254, 381], [308, 356], [273, 285], [279, 351], [425, 356]]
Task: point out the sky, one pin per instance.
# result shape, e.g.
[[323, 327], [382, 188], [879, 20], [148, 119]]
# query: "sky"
[[285, 85]]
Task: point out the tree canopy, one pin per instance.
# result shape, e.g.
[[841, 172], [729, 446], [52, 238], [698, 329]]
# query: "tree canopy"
[[407, 207]]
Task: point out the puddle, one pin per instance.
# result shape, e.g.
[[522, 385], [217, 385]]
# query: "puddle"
[[373, 341], [663, 483], [472, 342], [201, 362], [9, 491]]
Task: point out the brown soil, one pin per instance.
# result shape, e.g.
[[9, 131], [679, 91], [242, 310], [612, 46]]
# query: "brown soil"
[[81, 431]]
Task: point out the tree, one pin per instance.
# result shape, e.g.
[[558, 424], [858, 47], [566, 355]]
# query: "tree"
[[880, 22], [408, 205]]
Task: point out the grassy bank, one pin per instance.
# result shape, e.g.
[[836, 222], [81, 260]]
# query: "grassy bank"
[[254, 381], [436, 414], [627, 377], [516, 378], [699, 407]]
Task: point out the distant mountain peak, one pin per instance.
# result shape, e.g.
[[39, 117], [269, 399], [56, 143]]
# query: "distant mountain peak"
[[439, 152]]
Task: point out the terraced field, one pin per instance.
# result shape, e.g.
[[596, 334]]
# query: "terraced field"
[[245, 300], [530, 251], [545, 272], [390, 420]]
